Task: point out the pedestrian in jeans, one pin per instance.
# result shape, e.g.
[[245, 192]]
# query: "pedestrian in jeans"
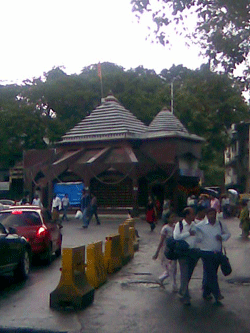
[[85, 205], [185, 230], [93, 209], [65, 206], [210, 234]]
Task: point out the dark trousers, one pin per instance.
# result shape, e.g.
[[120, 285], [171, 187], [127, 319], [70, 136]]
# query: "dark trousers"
[[65, 209], [210, 283], [93, 211], [187, 266]]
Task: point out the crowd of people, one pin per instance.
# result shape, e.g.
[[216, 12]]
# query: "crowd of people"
[[200, 226], [88, 207], [204, 234]]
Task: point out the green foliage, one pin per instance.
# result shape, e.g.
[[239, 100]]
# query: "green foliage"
[[222, 27], [205, 102]]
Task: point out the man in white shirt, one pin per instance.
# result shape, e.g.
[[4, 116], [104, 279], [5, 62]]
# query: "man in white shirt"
[[37, 202], [210, 234], [186, 231], [65, 206], [56, 207]]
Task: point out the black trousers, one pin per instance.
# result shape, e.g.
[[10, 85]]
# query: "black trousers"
[[210, 283]]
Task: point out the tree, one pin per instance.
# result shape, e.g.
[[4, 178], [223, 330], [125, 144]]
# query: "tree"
[[223, 27], [206, 103]]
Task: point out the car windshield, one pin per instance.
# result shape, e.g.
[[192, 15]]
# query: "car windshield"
[[19, 219]]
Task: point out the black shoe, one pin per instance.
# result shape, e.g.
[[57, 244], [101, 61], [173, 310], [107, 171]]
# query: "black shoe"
[[152, 226], [98, 223], [208, 298], [220, 297], [218, 303]]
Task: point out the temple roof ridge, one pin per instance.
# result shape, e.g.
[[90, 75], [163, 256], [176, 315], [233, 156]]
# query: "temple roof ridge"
[[167, 122], [106, 119], [111, 121]]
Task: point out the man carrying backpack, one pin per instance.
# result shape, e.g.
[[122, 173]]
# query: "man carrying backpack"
[[186, 230]]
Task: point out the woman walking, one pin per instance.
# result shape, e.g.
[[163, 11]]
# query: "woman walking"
[[150, 214], [169, 265]]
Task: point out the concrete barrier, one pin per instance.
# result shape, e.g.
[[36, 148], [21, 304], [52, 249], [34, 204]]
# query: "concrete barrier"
[[124, 234], [131, 223], [96, 272], [131, 250], [73, 289], [113, 253]]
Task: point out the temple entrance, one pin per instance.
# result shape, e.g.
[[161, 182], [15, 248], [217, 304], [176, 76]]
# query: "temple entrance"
[[112, 190]]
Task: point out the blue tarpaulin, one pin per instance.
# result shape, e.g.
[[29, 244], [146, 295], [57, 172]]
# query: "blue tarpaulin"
[[73, 189]]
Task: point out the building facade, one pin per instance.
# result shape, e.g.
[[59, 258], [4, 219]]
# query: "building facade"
[[120, 159], [236, 157]]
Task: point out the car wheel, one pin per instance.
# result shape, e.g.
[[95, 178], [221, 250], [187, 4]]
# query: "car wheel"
[[58, 252], [23, 268], [48, 256]]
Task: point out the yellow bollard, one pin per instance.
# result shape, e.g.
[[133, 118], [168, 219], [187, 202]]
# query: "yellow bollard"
[[124, 233], [113, 253], [96, 271], [131, 242], [73, 289], [131, 223]]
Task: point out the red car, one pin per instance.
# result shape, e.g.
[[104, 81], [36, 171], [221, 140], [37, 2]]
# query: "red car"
[[36, 225]]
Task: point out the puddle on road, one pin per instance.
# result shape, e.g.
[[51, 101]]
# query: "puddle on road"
[[128, 281], [145, 284], [243, 281]]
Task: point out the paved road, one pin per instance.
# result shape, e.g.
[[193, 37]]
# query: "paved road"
[[131, 300]]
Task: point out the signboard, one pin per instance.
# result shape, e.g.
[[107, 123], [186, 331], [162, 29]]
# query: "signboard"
[[4, 186], [74, 191]]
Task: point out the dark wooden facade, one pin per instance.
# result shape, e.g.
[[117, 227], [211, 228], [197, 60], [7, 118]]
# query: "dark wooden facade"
[[120, 159]]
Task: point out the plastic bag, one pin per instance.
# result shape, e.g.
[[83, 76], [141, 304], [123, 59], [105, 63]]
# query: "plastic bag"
[[79, 215]]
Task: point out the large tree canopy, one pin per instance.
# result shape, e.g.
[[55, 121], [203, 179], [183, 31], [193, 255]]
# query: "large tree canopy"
[[44, 109], [223, 26]]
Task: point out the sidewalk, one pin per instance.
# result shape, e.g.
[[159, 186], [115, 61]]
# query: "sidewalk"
[[132, 301]]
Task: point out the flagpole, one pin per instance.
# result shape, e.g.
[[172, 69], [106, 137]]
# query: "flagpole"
[[100, 76], [101, 88]]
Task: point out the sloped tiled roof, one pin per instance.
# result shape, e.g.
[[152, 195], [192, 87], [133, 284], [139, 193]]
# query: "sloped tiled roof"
[[109, 120], [166, 124], [166, 121]]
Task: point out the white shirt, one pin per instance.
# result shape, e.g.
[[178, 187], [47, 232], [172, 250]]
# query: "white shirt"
[[184, 234], [57, 203], [65, 201], [206, 235], [167, 231], [37, 202]]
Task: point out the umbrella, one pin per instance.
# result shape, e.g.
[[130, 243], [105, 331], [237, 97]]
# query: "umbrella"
[[210, 191], [232, 191]]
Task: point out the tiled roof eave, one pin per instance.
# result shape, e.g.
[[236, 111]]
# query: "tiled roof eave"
[[141, 136], [88, 138], [173, 134]]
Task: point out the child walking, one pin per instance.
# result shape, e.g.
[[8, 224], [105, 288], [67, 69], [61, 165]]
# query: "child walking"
[[169, 265]]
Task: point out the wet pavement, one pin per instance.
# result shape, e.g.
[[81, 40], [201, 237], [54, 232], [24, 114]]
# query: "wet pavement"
[[131, 300]]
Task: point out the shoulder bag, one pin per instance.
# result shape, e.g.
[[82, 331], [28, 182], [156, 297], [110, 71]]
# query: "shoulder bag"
[[176, 249], [224, 260]]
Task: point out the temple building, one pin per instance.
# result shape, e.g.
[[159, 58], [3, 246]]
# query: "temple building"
[[120, 159]]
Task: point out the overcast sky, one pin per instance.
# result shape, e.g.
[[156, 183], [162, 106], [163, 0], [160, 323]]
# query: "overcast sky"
[[37, 35]]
